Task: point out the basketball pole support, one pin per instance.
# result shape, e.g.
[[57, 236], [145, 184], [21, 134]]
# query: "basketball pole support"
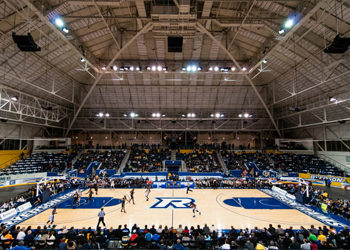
[[45, 180]]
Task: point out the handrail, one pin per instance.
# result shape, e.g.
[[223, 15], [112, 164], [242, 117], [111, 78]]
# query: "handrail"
[[333, 162], [126, 158], [18, 156], [218, 153]]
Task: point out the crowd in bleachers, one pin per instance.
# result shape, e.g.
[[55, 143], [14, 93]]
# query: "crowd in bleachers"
[[236, 161], [146, 160], [201, 161], [305, 164], [110, 159], [231, 183], [40, 162], [176, 238]]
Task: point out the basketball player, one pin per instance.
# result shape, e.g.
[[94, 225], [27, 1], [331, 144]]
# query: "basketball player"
[[79, 196], [148, 190], [124, 199], [90, 193], [132, 196], [52, 217], [112, 184], [75, 198], [188, 188], [194, 209], [96, 187]]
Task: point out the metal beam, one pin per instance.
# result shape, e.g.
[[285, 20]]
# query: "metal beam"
[[177, 129], [204, 30], [291, 32], [57, 32], [145, 29]]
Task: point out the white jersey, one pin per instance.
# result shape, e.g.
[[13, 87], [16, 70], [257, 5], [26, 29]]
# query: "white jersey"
[[112, 183], [147, 192]]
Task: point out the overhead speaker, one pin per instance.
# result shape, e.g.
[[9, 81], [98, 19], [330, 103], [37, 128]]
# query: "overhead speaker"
[[338, 46], [175, 44], [25, 43]]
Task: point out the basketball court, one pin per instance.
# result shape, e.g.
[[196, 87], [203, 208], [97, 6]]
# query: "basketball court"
[[224, 208]]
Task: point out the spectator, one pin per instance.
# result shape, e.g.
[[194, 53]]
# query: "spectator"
[[21, 247], [179, 246], [226, 246]]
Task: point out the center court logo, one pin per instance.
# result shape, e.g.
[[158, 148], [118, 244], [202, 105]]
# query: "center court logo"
[[172, 202]]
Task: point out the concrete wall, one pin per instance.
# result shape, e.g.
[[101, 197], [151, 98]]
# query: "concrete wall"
[[159, 138], [337, 156]]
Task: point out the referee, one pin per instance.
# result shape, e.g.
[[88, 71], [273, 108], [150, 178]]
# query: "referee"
[[101, 218]]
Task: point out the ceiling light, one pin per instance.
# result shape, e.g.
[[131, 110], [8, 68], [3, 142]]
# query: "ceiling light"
[[183, 115], [244, 68], [222, 115], [163, 115], [281, 31], [211, 69], [217, 115], [126, 68], [65, 30], [121, 68], [332, 99], [250, 115], [246, 115], [193, 115], [264, 61], [103, 68], [132, 114], [194, 68], [189, 115], [222, 69], [157, 115], [211, 115], [188, 68], [184, 68], [159, 68], [131, 68], [107, 115], [100, 114], [82, 59], [216, 68], [138, 68], [165, 68], [148, 68], [14, 98], [125, 115], [199, 68], [153, 115], [240, 115], [233, 68], [115, 67], [289, 23], [154, 68], [59, 22], [136, 115]]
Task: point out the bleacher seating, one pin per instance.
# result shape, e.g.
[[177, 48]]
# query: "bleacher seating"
[[110, 159], [40, 162], [201, 161], [305, 164], [141, 161], [236, 160]]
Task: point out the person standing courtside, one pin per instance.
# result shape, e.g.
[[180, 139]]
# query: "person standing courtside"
[[101, 218]]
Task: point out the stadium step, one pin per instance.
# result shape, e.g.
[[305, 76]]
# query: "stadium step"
[[173, 154]]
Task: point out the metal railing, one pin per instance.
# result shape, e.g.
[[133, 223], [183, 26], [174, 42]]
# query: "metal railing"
[[334, 162], [221, 160]]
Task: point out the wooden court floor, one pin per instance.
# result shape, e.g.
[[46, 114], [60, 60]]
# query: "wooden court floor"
[[241, 208]]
